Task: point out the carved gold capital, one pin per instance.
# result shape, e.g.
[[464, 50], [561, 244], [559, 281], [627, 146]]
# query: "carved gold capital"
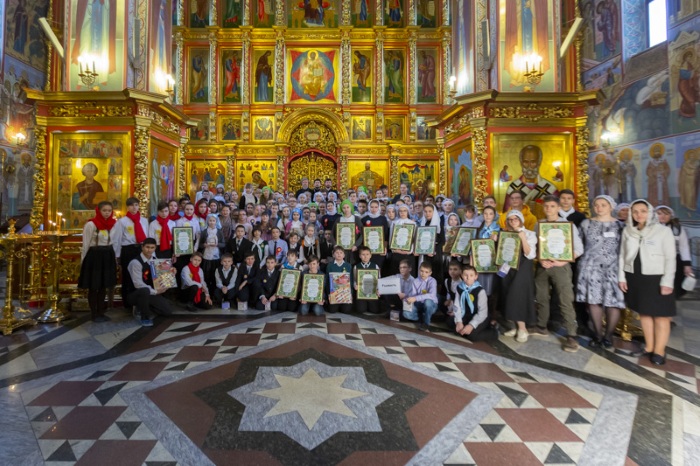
[[480, 165], [182, 176], [394, 172], [442, 164], [230, 169], [142, 137], [344, 181], [40, 171]]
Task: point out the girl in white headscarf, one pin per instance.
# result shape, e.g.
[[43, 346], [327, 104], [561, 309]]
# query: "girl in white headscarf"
[[432, 218], [397, 256], [684, 265]]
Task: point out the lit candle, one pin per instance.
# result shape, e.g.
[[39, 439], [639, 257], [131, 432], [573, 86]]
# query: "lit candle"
[[93, 67], [540, 66], [80, 64], [58, 221]]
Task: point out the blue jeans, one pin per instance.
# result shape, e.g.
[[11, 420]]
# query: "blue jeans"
[[317, 308], [427, 308]]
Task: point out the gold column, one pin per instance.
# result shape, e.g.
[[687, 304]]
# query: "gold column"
[[582, 135], [230, 169], [279, 63], [412, 55], [142, 138], [481, 71], [213, 73], [40, 172], [281, 167], [346, 60], [442, 164], [245, 59], [447, 69], [379, 60], [9, 322], [182, 176], [480, 165], [394, 171], [344, 181], [179, 68], [49, 53], [345, 13]]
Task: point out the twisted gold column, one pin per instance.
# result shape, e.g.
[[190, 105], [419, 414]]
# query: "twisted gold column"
[[9, 322]]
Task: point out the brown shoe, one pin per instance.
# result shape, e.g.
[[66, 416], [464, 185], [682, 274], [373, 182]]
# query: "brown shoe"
[[570, 345], [537, 331]]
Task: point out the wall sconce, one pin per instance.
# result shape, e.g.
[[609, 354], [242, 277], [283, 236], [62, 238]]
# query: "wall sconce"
[[169, 86], [453, 87], [20, 137], [88, 77], [533, 71]]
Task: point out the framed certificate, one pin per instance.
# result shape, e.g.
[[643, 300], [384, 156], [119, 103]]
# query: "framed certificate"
[[288, 286], [402, 236], [367, 280], [462, 244], [556, 241], [183, 241], [484, 255], [345, 235], [373, 238], [508, 250], [312, 288], [425, 240], [340, 291]]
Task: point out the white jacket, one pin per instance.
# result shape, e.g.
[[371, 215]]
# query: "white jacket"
[[655, 245]]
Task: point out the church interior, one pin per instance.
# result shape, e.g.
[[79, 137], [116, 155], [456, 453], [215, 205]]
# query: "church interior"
[[103, 100]]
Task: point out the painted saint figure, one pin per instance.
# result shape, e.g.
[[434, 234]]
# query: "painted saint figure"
[[233, 76], [627, 173], [21, 20], [530, 184], [688, 85], [199, 78], [426, 76], [687, 181], [658, 171], [608, 24], [361, 68], [263, 77], [95, 26], [87, 189], [25, 180], [394, 70]]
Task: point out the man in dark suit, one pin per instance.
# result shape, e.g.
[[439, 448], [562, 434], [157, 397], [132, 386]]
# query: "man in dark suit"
[[245, 280], [239, 246], [266, 285]]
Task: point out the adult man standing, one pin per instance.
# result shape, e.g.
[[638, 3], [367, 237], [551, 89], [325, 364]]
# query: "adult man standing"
[[567, 198], [530, 184], [304, 188], [515, 199], [403, 188]]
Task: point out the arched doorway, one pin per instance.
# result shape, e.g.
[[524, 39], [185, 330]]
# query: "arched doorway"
[[312, 149], [311, 164]]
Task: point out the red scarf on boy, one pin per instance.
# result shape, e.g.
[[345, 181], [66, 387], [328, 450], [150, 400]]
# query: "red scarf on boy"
[[166, 237], [138, 229], [102, 223], [194, 271]]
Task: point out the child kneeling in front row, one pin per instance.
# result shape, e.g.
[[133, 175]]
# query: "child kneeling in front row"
[[365, 306], [194, 288], [265, 285], [422, 298], [471, 310], [225, 278], [317, 308], [292, 263]]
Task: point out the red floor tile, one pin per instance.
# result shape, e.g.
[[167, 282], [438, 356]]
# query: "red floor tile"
[[196, 353], [499, 454], [380, 340], [342, 328], [242, 339], [117, 453], [140, 371], [280, 328], [85, 422], [66, 394], [537, 425], [483, 372], [426, 354], [555, 395]]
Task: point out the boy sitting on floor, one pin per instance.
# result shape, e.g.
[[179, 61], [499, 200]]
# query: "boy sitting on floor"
[[225, 277], [471, 309], [194, 288], [423, 298]]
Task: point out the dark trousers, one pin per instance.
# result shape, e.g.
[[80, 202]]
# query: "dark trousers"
[[286, 304], [367, 305], [148, 304], [180, 264], [274, 305], [220, 296], [484, 332], [243, 295], [96, 301], [344, 308], [127, 254], [188, 294]]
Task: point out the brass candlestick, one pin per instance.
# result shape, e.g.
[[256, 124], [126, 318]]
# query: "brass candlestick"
[[9, 321], [533, 77], [53, 313], [626, 328]]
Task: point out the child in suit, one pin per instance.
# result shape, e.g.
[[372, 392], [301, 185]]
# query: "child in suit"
[[225, 278], [367, 306], [266, 285], [247, 273]]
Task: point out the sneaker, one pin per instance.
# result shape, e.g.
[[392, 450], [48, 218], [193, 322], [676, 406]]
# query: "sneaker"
[[522, 336], [511, 333], [538, 331], [570, 345], [146, 323]]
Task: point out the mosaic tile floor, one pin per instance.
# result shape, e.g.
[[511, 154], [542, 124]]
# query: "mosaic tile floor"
[[289, 389]]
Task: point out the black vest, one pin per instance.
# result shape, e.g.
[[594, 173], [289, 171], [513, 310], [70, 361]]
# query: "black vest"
[[467, 317], [146, 272], [224, 279]]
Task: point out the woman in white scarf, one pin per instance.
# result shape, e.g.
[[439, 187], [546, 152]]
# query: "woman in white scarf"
[[431, 218], [397, 256]]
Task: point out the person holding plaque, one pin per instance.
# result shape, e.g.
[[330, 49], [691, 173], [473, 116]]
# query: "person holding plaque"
[[339, 265], [187, 220], [347, 216], [368, 306], [98, 268], [397, 255], [647, 265], [317, 308], [265, 286], [146, 298], [292, 263], [518, 287], [375, 219], [489, 230], [211, 242], [431, 218], [557, 275]]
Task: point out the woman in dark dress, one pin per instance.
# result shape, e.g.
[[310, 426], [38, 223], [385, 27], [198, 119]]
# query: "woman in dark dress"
[[518, 287], [375, 219]]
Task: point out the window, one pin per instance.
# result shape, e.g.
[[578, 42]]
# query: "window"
[[656, 21]]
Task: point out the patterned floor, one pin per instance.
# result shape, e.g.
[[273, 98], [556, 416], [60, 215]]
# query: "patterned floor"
[[289, 389]]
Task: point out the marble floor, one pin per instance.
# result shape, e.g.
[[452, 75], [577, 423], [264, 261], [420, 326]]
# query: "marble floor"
[[227, 387]]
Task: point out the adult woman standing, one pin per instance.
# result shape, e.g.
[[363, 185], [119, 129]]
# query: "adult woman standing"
[[684, 266], [518, 286], [647, 268], [598, 270], [98, 270], [397, 256]]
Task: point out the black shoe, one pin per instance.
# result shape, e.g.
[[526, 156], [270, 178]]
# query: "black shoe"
[[594, 343], [607, 343], [640, 353], [657, 359], [191, 308]]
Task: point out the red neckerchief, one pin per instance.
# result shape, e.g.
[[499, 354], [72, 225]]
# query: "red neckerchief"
[[138, 229], [174, 217], [166, 237], [102, 223], [202, 216], [189, 219], [194, 271]]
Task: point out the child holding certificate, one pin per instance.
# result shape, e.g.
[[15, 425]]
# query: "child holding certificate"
[[337, 266], [161, 229], [211, 242], [317, 308], [368, 282], [289, 304]]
